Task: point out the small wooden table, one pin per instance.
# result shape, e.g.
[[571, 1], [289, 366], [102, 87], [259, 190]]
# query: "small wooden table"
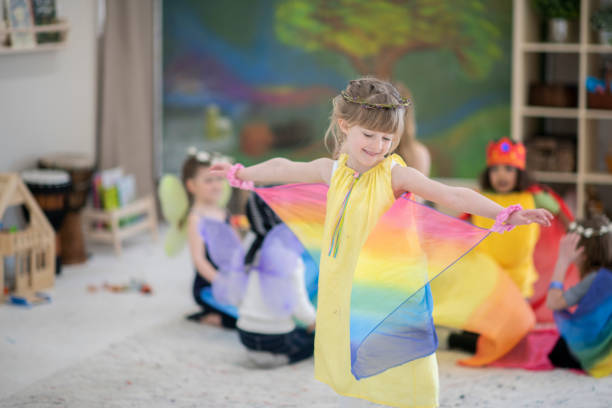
[[113, 232]]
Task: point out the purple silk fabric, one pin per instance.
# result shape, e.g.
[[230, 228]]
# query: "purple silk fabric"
[[280, 254], [225, 250]]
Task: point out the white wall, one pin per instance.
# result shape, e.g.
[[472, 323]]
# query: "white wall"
[[48, 99]]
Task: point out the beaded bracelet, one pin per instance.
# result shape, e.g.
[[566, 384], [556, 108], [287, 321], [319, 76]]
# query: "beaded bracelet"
[[555, 285]]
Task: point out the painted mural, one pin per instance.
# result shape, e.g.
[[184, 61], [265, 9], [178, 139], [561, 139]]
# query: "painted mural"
[[254, 79]]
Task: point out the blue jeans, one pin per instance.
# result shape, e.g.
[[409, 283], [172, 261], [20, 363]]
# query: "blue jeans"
[[297, 345]]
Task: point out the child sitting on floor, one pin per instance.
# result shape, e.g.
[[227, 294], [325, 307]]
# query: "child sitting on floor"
[[505, 180], [586, 334], [275, 293], [204, 192]]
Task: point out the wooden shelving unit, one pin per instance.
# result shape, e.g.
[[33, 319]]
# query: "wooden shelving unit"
[[583, 47], [62, 27], [115, 233], [550, 47]]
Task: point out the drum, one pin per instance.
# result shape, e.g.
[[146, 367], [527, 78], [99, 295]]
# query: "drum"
[[50, 189], [80, 167]]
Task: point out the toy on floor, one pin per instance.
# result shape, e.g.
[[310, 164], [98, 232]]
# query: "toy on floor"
[[134, 285], [27, 248], [29, 300]]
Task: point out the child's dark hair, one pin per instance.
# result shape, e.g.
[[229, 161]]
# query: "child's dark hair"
[[523, 180], [261, 219], [192, 164], [597, 247]]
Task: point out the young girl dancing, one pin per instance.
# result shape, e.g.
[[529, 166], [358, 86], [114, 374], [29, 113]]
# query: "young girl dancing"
[[367, 119]]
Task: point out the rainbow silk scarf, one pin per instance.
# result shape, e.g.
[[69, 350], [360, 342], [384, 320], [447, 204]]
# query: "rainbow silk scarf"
[[588, 331], [391, 300]]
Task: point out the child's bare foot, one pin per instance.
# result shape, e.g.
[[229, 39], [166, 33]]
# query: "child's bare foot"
[[212, 319]]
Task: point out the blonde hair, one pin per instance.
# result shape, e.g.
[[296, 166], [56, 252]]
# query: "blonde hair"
[[370, 90], [408, 144]]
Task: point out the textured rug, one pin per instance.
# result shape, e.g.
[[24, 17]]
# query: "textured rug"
[[182, 364]]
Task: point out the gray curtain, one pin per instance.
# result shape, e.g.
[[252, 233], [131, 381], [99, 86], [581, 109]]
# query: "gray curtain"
[[126, 91]]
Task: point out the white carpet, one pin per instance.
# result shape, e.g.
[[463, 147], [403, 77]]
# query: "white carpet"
[[129, 350]]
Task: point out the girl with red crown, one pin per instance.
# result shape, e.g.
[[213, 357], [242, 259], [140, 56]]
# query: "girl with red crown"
[[525, 254]]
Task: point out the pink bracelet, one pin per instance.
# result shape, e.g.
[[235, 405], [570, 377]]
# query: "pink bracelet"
[[234, 181], [500, 225]]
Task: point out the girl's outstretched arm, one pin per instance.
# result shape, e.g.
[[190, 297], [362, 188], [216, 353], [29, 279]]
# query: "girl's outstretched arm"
[[460, 198], [279, 170]]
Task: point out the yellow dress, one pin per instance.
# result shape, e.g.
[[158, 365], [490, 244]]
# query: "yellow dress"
[[513, 250], [414, 384]]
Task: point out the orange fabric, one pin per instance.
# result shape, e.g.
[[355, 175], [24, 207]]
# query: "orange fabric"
[[491, 320]]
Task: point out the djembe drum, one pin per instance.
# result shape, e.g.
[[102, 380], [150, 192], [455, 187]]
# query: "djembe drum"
[[80, 168], [50, 189]]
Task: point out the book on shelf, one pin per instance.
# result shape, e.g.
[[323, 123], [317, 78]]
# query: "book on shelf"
[[112, 190], [19, 15], [45, 13]]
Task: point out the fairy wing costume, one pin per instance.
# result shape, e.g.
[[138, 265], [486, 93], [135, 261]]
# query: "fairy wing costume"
[[280, 253], [375, 337]]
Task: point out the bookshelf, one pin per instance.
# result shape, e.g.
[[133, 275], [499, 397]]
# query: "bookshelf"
[[61, 27], [577, 59]]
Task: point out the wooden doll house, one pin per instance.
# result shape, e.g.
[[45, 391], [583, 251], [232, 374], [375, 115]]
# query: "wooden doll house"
[[27, 256]]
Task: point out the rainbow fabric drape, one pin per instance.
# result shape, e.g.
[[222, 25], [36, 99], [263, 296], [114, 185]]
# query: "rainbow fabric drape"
[[588, 331], [391, 301]]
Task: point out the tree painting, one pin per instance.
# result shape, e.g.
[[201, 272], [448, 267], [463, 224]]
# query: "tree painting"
[[373, 35]]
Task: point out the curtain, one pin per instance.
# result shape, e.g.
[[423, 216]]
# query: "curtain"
[[126, 91]]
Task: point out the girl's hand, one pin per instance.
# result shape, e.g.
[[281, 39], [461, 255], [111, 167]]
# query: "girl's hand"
[[539, 216], [231, 173], [220, 169], [569, 252]]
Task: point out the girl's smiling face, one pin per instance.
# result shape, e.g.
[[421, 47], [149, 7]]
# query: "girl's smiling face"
[[364, 147], [503, 178]]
